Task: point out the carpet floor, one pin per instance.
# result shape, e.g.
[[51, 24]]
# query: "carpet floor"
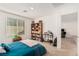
[[68, 48]]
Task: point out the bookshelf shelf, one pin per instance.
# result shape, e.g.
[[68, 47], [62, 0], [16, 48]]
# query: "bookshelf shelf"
[[37, 31]]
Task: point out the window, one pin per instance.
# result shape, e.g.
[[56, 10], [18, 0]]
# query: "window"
[[15, 26]]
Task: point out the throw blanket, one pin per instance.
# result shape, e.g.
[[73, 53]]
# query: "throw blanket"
[[30, 42]]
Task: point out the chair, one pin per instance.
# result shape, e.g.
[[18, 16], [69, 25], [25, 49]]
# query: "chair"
[[63, 33]]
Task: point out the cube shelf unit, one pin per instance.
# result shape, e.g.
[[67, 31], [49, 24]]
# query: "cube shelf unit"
[[37, 31]]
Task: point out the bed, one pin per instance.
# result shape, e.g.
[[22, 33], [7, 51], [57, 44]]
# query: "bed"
[[23, 48]]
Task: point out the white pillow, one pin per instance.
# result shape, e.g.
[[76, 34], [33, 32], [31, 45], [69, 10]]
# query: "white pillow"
[[2, 50]]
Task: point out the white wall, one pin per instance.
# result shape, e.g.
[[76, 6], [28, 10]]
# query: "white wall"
[[48, 23], [2, 28], [28, 29], [69, 23], [78, 36], [3, 31], [70, 28]]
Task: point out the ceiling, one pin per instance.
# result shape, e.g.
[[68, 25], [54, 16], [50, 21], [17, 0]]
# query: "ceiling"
[[31, 10]]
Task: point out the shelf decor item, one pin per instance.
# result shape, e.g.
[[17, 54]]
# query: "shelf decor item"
[[37, 31]]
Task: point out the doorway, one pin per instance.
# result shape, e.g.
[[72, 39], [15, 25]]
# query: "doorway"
[[69, 33]]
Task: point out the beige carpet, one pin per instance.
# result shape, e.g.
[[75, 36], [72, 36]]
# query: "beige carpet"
[[68, 48]]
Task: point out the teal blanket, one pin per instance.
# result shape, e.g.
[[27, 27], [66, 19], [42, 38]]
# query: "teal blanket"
[[21, 49]]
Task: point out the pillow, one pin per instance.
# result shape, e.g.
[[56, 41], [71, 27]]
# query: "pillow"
[[2, 50], [5, 47]]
